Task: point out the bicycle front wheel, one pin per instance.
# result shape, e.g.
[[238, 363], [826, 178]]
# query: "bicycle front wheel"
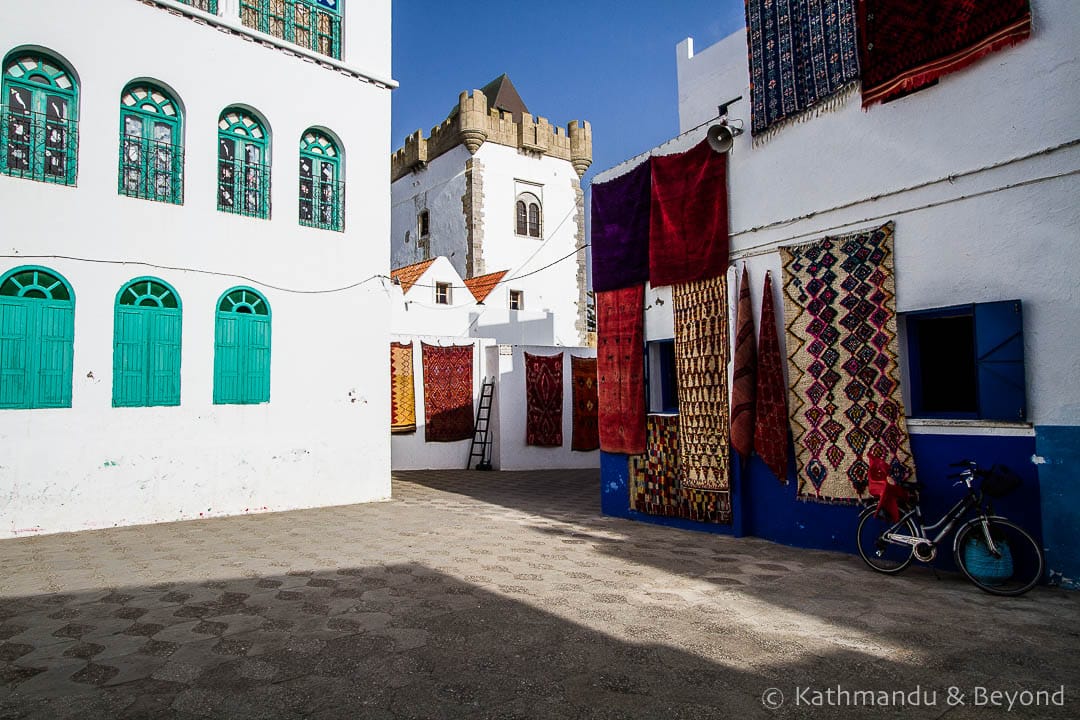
[[885, 556], [1011, 563]]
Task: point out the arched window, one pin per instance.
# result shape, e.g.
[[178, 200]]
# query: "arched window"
[[151, 150], [37, 330], [313, 24], [39, 129], [322, 193], [243, 164], [528, 216], [242, 348], [146, 344]]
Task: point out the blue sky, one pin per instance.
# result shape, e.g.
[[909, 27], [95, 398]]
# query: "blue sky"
[[611, 63]]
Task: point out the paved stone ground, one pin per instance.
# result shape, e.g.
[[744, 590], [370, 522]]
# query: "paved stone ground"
[[494, 595]]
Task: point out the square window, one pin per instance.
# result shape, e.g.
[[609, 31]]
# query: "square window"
[[442, 293], [660, 376], [967, 362], [517, 299]]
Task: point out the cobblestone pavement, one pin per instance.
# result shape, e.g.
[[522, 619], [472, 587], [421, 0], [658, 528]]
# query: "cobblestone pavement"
[[496, 595]]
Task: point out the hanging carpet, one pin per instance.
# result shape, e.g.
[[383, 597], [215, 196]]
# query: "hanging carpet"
[[771, 423], [688, 239], [586, 432], [543, 399], [745, 374], [402, 394], [701, 355], [804, 58], [620, 230], [846, 407], [907, 44], [448, 392], [620, 317]]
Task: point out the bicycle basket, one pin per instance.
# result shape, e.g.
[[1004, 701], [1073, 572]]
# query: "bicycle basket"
[[1000, 481], [983, 566]]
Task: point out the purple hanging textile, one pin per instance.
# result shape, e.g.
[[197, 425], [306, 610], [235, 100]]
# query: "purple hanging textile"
[[620, 230]]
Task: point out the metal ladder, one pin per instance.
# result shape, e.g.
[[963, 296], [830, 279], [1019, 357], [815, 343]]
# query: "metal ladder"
[[481, 441]]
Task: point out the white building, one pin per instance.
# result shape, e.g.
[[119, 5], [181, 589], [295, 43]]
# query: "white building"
[[979, 173], [194, 208], [494, 190]]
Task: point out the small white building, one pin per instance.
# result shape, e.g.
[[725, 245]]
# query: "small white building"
[[194, 218], [492, 189]]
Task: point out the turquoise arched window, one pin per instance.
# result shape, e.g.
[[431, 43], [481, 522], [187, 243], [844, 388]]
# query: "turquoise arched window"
[[37, 330], [243, 164], [151, 149], [322, 193], [39, 129], [146, 344], [242, 348], [313, 24]]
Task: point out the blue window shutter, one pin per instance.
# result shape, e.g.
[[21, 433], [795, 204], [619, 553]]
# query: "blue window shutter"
[[56, 345], [999, 358], [15, 322], [131, 335], [256, 342], [227, 359], [165, 357]]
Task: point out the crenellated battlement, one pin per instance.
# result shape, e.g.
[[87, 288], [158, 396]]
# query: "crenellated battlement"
[[473, 122]]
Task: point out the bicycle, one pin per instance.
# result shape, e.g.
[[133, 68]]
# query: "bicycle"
[[993, 552]]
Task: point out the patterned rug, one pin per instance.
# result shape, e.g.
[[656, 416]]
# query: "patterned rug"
[[448, 392], [771, 426], [839, 297], [620, 318], [804, 59], [543, 400], [688, 232], [744, 377], [655, 486], [907, 44], [402, 393], [586, 432], [701, 356]]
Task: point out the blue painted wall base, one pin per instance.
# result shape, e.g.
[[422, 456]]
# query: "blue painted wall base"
[[1058, 447]]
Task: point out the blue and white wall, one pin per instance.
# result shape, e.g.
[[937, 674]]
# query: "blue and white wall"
[[321, 439], [980, 174]]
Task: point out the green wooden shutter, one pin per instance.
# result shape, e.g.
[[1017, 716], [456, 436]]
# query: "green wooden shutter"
[[15, 324], [256, 359], [130, 357], [227, 359], [999, 361], [164, 360], [56, 345]]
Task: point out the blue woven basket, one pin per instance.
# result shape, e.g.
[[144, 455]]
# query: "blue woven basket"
[[983, 566]]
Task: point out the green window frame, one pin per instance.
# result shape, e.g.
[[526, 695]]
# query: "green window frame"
[[311, 24], [209, 6], [243, 164], [242, 348], [37, 331], [322, 192], [147, 334], [151, 146], [39, 128]]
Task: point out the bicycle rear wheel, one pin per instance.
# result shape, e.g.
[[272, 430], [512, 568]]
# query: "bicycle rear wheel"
[[883, 555], [1016, 567]]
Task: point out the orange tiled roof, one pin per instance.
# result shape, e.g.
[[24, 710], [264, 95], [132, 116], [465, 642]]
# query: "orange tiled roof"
[[482, 285], [407, 276]]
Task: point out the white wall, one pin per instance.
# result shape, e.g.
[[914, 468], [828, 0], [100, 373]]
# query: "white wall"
[[996, 234], [409, 451], [438, 188], [321, 438], [511, 451], [553, 288]]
